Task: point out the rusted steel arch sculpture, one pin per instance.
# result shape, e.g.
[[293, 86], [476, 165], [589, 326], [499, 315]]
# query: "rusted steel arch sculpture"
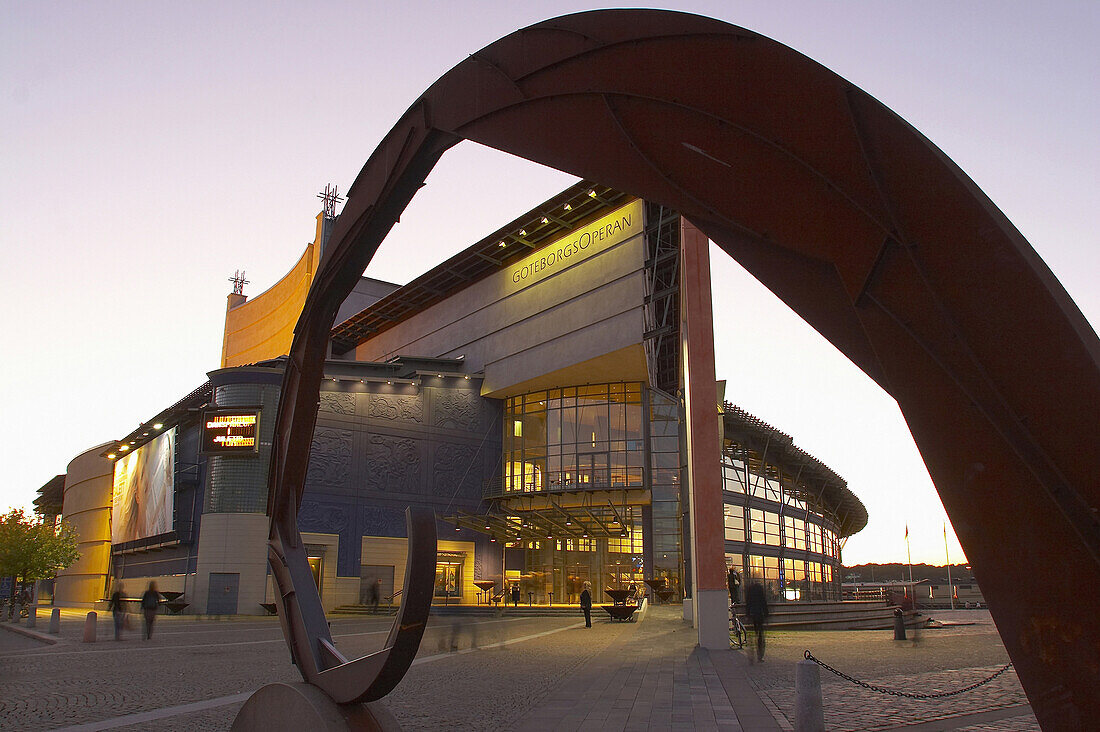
[[847, 213]]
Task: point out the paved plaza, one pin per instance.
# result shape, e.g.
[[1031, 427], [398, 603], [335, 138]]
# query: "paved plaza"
[[515, 673]]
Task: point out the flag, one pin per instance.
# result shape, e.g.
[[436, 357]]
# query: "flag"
[[907, 532]]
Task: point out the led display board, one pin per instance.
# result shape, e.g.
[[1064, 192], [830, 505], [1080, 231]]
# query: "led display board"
[[230, 431], [141, 502]]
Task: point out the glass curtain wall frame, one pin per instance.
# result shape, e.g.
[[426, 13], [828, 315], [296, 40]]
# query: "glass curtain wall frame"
[[776, 537], [574, 438], [598, 437]]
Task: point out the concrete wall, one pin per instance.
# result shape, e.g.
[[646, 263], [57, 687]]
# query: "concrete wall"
[[87, 506], [393, 552], [517, 326], [232, 542]]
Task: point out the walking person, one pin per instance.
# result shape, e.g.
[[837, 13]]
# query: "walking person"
[[756, 605], [586, 604], [118, 612], [375, 595], [515, 594], [150, 600]]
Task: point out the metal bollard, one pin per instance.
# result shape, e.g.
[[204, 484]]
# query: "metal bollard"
[[899, 624], [809, 716], [55, 621], [32, 616], [89, 627]]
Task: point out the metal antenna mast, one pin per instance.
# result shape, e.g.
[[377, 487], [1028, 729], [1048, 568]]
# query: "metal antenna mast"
[[238, 281], [330, 198]]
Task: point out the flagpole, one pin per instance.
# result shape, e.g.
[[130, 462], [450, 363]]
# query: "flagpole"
[[909, 557], [946, 553]]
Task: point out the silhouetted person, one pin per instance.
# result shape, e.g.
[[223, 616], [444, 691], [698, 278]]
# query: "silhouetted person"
[[586, 604], [733, 582], [515, 594], [149, 602], [756, 605], [375, 595], [118, 612]]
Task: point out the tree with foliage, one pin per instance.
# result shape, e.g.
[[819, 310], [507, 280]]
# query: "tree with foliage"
[[31, 549]]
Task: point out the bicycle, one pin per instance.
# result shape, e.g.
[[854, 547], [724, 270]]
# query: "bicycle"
[[738, 634]]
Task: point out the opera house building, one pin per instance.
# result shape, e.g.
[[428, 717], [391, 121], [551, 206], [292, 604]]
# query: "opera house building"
[[530, 390]]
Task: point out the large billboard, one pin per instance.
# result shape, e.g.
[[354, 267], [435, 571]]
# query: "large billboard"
[[141, 505]]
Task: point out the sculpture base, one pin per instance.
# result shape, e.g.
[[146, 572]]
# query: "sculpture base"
[[302, 706]]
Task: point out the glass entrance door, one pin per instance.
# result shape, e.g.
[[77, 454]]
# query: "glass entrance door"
[[447, 578]]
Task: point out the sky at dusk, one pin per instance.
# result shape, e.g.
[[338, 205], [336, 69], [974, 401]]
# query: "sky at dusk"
[[148, 150]]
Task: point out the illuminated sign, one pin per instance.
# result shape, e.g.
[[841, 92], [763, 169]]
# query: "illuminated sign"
[[230, 431], [581, 243]]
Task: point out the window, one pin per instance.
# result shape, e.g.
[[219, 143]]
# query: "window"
[[589, 436], [794, 532], [631, 544], [764, 527], [735, 522]]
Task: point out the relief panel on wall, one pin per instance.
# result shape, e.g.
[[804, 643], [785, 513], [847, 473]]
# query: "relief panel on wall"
[[454, 464], [330, 458], [460, 410], [323, 518], [397, 407], [393, 464], [381, 521], [333, 518], [337, 402]]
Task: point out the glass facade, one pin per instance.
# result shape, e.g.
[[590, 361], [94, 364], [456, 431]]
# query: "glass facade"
[[611, 454], [575, 438], [778, 538]]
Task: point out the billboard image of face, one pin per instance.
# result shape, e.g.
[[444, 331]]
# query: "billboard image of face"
[[141, 505]]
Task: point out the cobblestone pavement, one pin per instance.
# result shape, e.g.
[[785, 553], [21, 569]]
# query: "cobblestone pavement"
[[191, 661], [652, 677], [931, 661], [471, 673]]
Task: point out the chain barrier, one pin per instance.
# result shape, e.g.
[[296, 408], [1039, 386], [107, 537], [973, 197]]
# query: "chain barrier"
[[894, 692]]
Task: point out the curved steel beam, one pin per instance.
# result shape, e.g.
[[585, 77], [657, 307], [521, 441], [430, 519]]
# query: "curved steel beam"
[[847, 213]]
